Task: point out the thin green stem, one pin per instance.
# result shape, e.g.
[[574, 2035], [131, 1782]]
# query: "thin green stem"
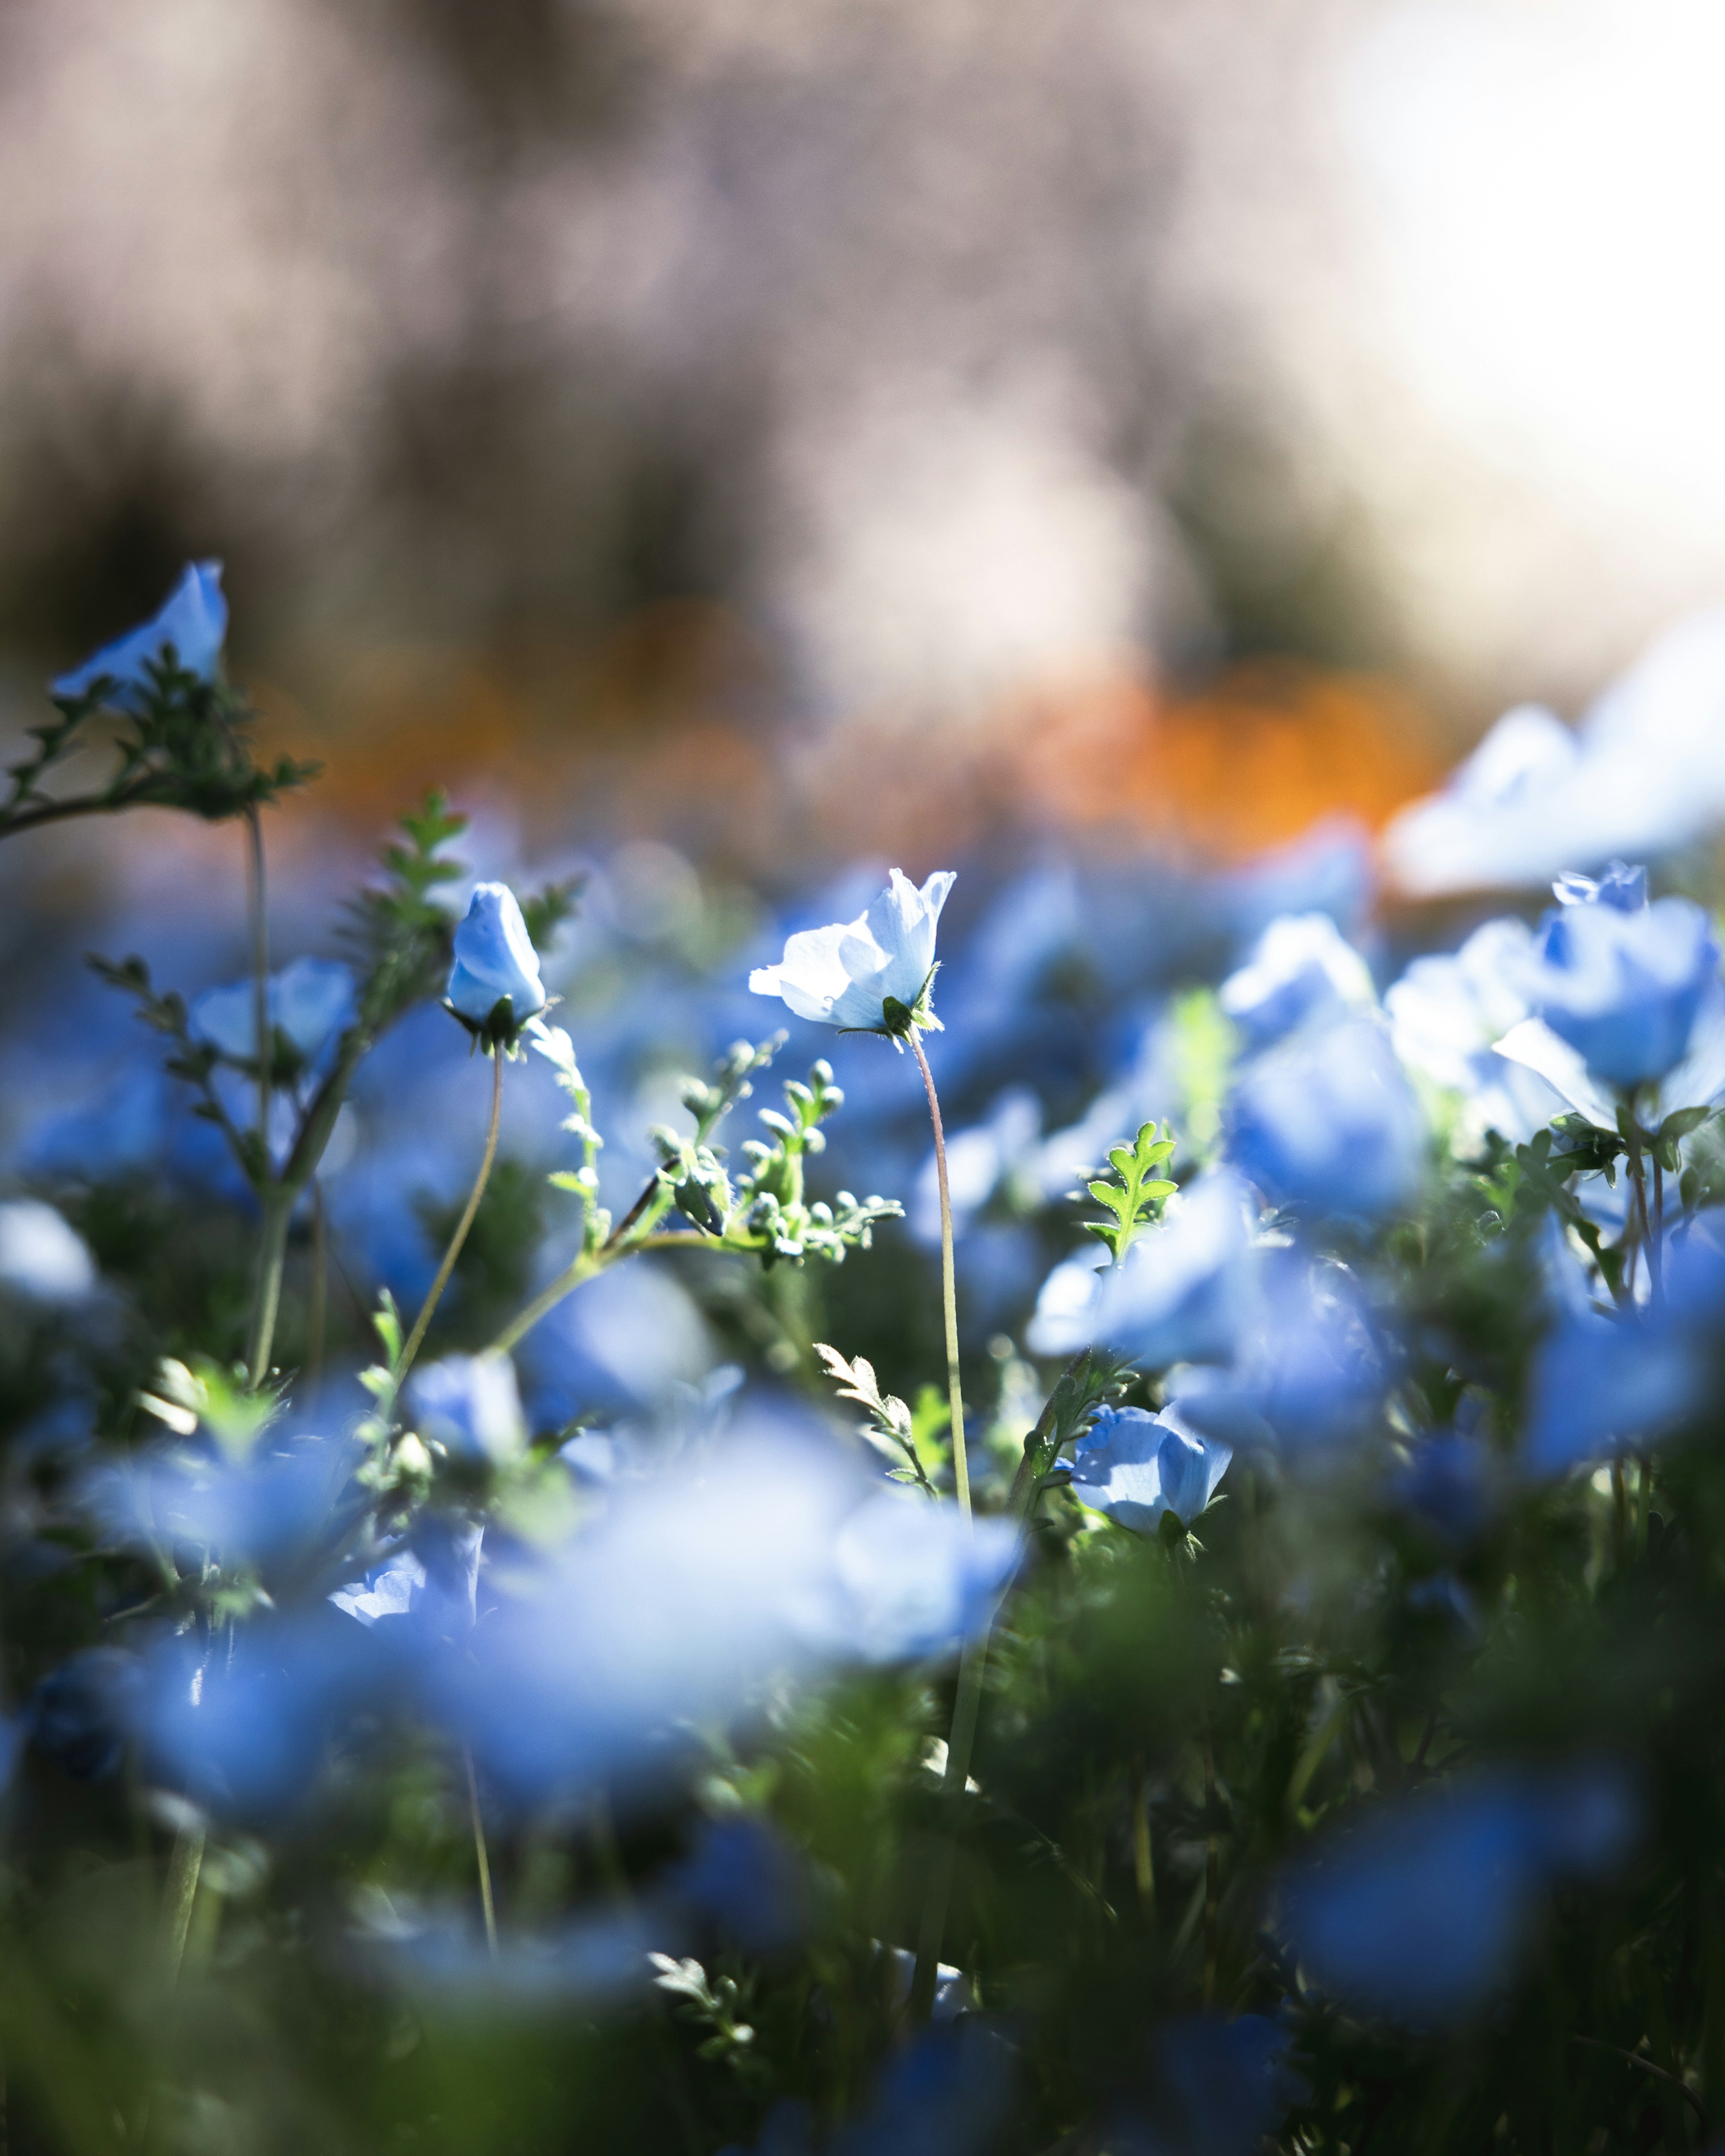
[[621, 1242], [1143, 1864], [949, 1291], [434, 1294], [480, 1851], [317, 1323], [278, 1202], [183, 1871], [260, 921]]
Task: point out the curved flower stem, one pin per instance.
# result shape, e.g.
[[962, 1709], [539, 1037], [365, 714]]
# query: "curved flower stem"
[[949, 1292], [480, 1853], [1143, 1864], [184, 1868], [622, 1242], [434, 1294], [278, 1202]]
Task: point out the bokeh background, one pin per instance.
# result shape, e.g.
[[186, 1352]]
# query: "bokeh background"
[[800, 429]]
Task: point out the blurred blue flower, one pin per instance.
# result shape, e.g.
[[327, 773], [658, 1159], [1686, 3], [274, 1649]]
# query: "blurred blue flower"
[[1221, 2086], [1623, 987], [310, 1003], [1448, 1013], [1329, 1122], [276, 1506], [909, 1578], [82, 1714], [844, 975], [743, 1876], [42, 1258], [1301, 969], [978, 1160], [1135, 1466], [495, 957], [1309, 1374], [1602, 1380], [193, 619], [946, 2094], [469, 1404], [1447, 1486], [1621, 885], [1421, 1914]]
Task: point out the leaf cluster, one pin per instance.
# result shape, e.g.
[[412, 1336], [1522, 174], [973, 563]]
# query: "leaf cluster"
[[891, 1428], [1132, 1195], [184, 746]]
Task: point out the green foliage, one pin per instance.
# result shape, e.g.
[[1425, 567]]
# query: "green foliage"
[[890, 1428], [1133, 1194], [401, 934], [187, 748]]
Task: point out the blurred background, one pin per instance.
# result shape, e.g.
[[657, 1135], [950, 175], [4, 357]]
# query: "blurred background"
[[797, 430]]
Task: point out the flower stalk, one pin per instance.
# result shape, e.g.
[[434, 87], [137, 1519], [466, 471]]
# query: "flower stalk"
[[949, 1292], [434, 1294]]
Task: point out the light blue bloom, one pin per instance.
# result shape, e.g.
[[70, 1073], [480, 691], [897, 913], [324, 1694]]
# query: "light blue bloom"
[[470, 1406], [1301, 969], [845, 975], [909, 1578], [494, 958], [1309, 1372], [1622, 886], [193, 620], [1623, 987], [1448, 1014], [745, 1877], [43, 1257], [1135, 1466], [1421, 1914], [1329, 1122], [309, 1003]]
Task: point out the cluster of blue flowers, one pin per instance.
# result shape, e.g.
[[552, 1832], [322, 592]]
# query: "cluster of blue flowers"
[[1254, 1669]]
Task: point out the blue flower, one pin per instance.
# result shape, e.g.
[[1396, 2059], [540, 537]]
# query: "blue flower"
[[1301, 969], [1447, 1487], [1449, 1012], [1221, 2086], [1135, 1466], [744, 1876], [308, 1003], [469, 1404], [81, 1714], [1309, 1372], [494, 961], [910, 1579], [193, 620], [846, 974], [1421, 1914], [42, 1257], [1329, 1122], [1623, 987]]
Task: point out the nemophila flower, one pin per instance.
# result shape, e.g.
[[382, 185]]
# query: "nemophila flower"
[[1328, 1123], [870, 975], [1621, 885], [1448, 1013], [494, 986], [745, 1878], [43, 1257], [469, 1405], [1135, 1466], [1220, 2087], [1644, 772], [192, 621], [908, 1578], [308, 1003], [1302, 968], [1308, 1372], [1623, 986], [268, 1509], [1600, 1381], [596, 1960], [1446, 1486], [81, 1715], [1420, 1915]]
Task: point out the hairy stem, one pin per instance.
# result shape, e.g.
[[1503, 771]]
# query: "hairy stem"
[[949, 1291], [434, 1294]]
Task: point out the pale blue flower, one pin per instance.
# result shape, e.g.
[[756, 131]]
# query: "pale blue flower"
[[42, 1258], [495, 959], [1621, 885], [309, 1003], [193, 620], [1422, 1914], [1623, 987], [910, 1579], [1448, 1014], [469, 1405], [1135, 1466], [1301, 969], [1329, 1122], [845, 974]]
